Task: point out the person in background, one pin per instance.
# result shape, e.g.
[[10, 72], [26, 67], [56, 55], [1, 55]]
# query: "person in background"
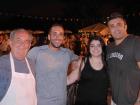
[[93, 77], [52, 62], [34, 42], [17, 82], [123, 58], [4, 45]]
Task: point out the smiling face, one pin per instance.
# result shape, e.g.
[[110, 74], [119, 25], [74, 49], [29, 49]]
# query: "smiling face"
[[95, 48], [20, 44], [56, 37], [118, 28]]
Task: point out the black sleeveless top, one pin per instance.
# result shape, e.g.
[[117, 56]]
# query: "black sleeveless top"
[[93, 86]]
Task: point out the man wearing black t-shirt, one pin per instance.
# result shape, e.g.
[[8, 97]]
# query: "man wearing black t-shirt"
[[123, 58]]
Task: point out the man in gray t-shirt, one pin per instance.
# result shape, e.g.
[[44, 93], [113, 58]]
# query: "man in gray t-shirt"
[[51, 68]]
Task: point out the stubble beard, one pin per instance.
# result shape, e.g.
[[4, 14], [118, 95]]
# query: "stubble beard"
[[55, 46]]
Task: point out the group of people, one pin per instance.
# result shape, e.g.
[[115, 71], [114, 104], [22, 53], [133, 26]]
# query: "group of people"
[[38, 76]]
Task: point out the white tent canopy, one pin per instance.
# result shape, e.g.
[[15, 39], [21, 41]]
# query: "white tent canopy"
[[98, 28]]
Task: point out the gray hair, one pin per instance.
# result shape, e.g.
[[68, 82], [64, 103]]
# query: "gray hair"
[[14, 32]]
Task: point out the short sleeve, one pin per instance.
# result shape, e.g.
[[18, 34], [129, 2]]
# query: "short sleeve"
[[137, 49], [73, 56], [32, 54]]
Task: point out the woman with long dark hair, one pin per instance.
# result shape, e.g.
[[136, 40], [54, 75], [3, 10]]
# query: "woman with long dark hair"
[[93, 78]]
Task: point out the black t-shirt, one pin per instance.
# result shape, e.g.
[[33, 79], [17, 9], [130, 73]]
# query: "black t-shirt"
[[123, 70], [93, 86]]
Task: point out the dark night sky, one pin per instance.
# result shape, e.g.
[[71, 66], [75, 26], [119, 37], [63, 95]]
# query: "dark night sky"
[[65, 8], [11, 11]]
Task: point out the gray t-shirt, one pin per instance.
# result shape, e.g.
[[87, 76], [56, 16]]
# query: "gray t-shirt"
[[123, 70], [51, 73]]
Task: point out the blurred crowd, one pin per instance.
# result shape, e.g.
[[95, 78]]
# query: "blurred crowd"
[[76, 42]]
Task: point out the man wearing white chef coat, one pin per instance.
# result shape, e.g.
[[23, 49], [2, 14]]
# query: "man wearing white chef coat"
[[17, 82]]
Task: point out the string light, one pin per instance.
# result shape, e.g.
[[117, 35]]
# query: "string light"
[[134, 14]]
